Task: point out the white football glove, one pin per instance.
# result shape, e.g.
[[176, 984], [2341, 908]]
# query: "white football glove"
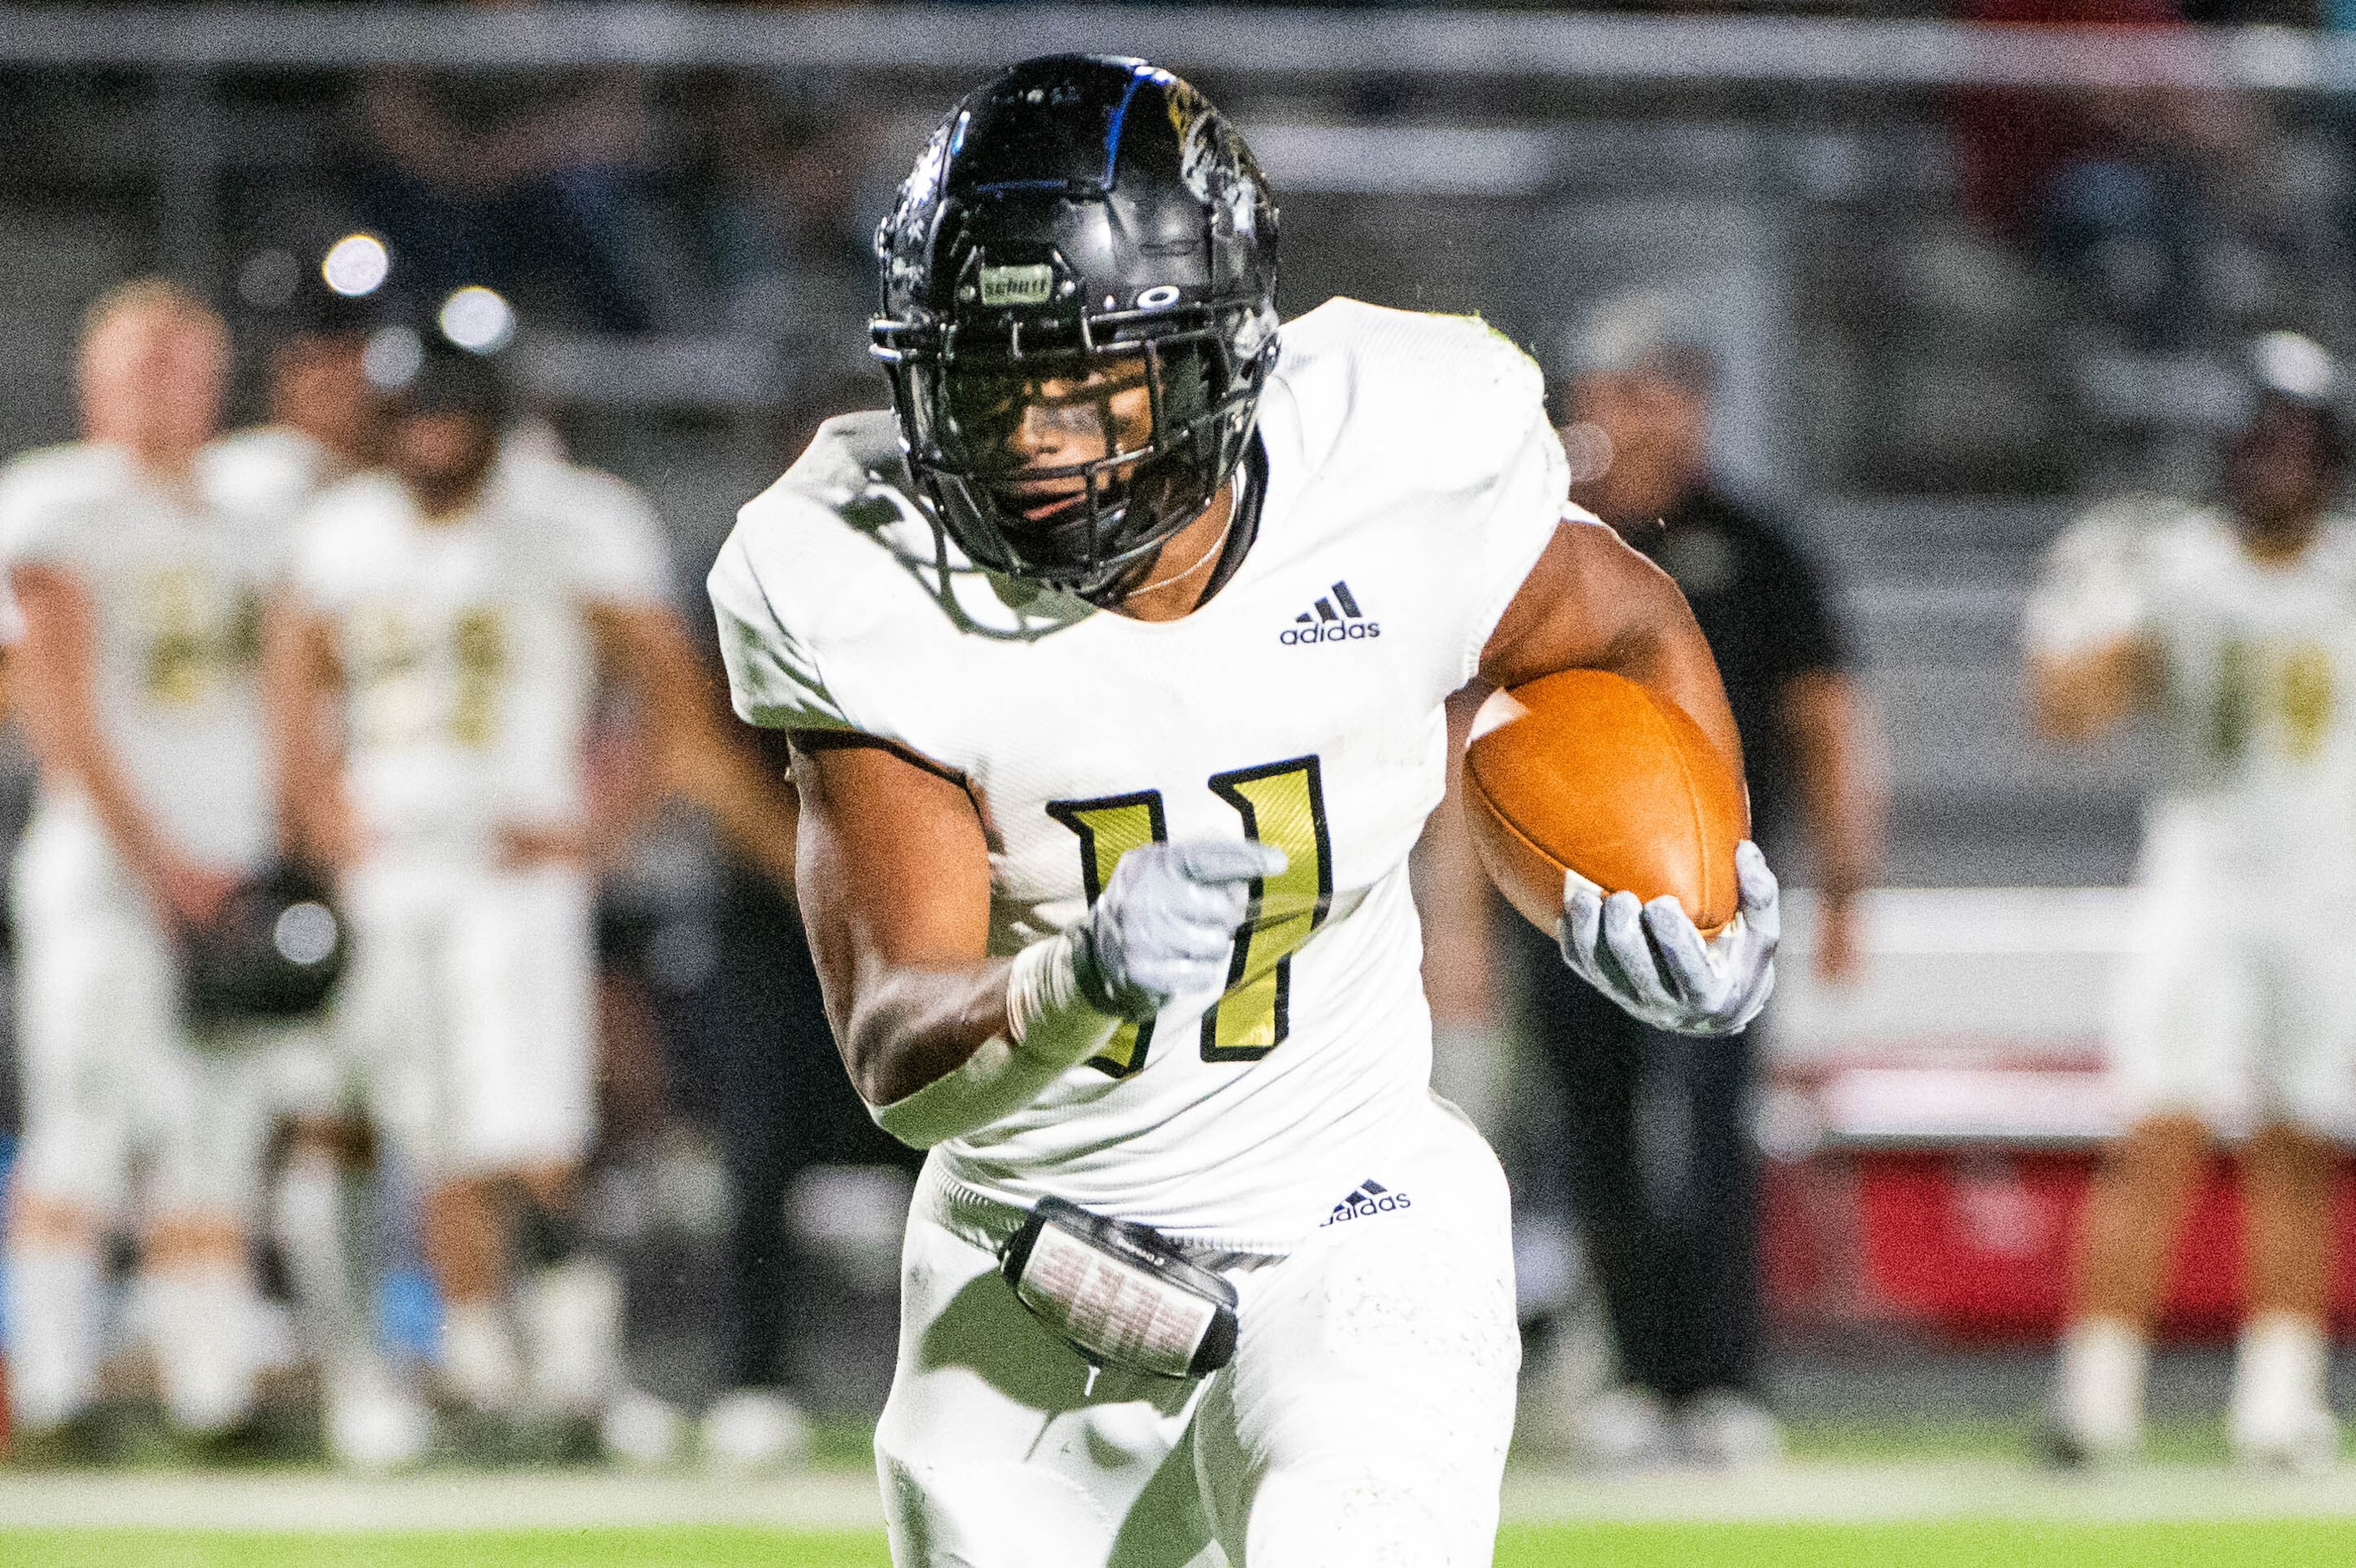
[[1166, 922], [1650, 960]]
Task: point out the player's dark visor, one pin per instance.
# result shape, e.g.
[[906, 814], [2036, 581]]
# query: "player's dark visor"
[[1071, 469]]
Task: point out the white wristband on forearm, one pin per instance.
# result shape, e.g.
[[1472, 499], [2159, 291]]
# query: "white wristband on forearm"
[[1050, 1028]]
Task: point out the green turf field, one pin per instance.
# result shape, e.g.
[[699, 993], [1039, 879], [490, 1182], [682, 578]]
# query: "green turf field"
[[1934, 1545], [1932, 1495]]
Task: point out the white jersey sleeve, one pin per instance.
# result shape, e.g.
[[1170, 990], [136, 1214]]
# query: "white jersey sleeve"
[[603, 535], [40, 493], [1447, 410], [2095, 583], [324, 570], [619, 556], [266, 471], [775, 679]]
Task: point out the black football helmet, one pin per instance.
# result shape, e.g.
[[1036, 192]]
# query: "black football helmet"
[[275, 950], [1078, 227]]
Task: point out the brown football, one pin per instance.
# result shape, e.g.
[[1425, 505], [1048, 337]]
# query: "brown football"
[[1585, 771]]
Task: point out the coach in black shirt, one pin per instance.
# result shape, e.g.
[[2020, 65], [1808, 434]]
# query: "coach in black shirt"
[[1661, 1168]]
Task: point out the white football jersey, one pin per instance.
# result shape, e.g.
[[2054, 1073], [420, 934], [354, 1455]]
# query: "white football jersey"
[[177, 582], [2259, 705], [1411, 482], [271, 468], [469, 661]]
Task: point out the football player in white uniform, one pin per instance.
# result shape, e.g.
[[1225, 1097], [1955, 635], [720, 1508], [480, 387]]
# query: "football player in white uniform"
[[326, 418], [139, 684], [1115, 666], [325, 424], [434, 666], [2235, 628]]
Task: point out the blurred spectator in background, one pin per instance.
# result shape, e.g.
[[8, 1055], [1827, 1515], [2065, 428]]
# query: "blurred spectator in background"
[[2236, 627], [1656, 1143], [2116, 190], [791, 221], [518, 181], [139, 684]]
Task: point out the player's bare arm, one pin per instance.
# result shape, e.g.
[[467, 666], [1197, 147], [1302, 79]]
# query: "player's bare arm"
[[895, 889], [645, 648], [1592, 602], [2081, 695], [55, 695], [1842, 796], [302, 680], [896, 896]]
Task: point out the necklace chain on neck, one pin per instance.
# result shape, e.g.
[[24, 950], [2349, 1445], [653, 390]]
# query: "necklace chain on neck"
[[1196, 565]]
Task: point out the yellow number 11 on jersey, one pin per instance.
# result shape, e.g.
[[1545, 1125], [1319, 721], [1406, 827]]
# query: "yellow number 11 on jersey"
[[1281, 803]]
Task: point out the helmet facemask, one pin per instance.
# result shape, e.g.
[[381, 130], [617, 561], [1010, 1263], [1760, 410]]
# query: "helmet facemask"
[[1071, 467]]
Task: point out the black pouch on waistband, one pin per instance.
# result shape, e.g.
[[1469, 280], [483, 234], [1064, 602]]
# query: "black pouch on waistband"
[[1123, 1294]]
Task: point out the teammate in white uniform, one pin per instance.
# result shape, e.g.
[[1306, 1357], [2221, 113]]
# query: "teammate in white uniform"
[[1115, 669], [2236, 628], [326, 418], [437, 659], [139, 682], [325, 424]]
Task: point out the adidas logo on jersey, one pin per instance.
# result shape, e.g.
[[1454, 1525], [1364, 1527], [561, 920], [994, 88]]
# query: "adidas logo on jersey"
[[1324, 623], [1369, 1197]]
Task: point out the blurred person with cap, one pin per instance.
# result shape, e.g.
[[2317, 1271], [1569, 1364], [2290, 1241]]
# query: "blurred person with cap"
[[139, 682], [450, 622], [2233, 626], [1657, 1149]]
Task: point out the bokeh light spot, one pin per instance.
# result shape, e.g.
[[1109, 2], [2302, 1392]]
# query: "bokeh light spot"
[[392, 359], [356, 264], [477, 320]]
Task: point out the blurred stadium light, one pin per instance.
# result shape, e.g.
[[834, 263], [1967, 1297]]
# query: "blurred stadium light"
[[356, 264], [476, 319]]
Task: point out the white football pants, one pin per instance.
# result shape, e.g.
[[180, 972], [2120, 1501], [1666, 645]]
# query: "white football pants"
[[1364, 1421], [471, 1008], [114, 1081], [2234, 1007]]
